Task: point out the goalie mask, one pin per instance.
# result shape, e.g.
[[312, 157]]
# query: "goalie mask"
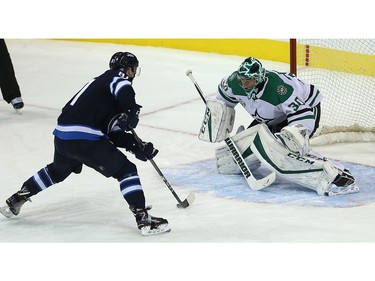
[[250, 73]]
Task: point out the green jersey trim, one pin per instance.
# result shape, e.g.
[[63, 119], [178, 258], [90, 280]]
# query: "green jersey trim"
[[316, 96], [228, 99]]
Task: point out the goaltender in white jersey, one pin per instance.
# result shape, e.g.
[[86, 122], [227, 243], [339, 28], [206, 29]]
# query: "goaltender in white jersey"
[[286, 112]]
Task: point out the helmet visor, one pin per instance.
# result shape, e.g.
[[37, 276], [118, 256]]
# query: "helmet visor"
[[137, 70]]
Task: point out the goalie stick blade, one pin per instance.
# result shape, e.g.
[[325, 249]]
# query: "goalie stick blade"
[[187, 202], [261, 183]]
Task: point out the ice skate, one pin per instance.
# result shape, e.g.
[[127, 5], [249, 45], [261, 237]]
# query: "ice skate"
[[344, 183], [148, 224], [17, 103], [15, 202]]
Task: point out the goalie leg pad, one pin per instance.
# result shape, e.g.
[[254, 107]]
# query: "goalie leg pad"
[[226, 165], [224, 158], [311, 172], [218, 121]]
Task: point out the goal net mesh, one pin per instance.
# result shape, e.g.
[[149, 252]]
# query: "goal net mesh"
[[344, 72]]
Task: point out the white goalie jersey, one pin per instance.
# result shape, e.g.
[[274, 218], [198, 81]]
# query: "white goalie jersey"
[[282, 97]]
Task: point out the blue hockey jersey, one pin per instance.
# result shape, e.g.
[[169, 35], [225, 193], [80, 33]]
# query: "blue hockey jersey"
[[91, 113]]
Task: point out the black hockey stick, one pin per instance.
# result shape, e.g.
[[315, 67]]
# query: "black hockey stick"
[[255, 184], [181, 204]]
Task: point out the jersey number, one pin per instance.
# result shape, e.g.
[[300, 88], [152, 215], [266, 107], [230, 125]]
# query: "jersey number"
[[296, 104], [81, 92]]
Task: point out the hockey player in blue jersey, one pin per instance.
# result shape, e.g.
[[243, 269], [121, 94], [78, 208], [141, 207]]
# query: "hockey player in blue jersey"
[[91, 127]]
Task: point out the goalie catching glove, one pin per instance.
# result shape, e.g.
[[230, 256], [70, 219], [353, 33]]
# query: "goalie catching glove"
[[294, 138]]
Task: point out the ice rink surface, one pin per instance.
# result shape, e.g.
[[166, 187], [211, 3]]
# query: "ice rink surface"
[[226, 215]]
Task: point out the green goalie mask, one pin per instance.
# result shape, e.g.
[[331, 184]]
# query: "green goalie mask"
[[251, 68]]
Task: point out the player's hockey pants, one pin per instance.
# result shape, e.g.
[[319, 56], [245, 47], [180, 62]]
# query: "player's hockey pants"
[[101, 155]]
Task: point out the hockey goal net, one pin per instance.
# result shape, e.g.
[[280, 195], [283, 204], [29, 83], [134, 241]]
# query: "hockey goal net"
[[344, 72]]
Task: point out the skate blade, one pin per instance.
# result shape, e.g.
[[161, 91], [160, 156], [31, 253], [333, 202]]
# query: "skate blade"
[[6, 212], [163, 228]]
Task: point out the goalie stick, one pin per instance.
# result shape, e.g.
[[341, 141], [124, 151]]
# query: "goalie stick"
[[254, 184], [181, 204]]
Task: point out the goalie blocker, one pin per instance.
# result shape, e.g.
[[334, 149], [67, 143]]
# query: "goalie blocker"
[[218, 121]]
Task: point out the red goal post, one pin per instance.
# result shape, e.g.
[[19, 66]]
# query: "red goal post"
[[344, 72]]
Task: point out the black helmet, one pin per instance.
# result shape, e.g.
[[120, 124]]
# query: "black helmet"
[[123, 60]]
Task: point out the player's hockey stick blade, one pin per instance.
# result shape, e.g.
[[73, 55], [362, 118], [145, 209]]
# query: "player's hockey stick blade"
[[181, 204], [187, 202]]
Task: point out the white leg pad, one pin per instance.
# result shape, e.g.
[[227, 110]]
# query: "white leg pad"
[[311, 172], [243, 140]]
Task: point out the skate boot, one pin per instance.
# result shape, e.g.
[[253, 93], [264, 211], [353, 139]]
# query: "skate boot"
[[148, 224], [344, 183], [15, 202], [17, 103]]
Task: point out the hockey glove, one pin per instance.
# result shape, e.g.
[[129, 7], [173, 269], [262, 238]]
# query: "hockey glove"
[[146, 152], [294, 138], [130, 119]]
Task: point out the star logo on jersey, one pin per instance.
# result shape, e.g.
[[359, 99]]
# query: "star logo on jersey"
[[281, 90], [260, 118]]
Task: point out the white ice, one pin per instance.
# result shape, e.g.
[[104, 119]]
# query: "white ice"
[[89, 208]]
